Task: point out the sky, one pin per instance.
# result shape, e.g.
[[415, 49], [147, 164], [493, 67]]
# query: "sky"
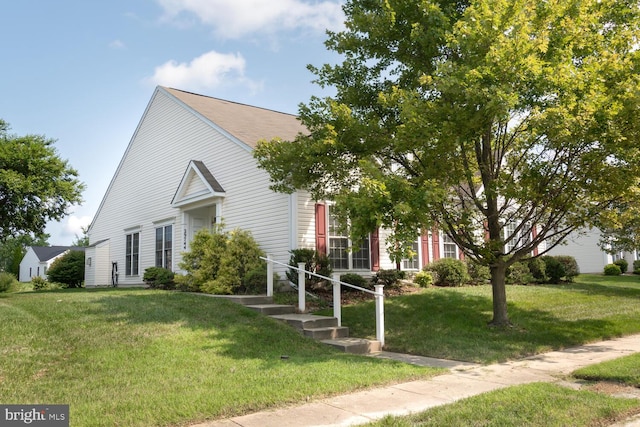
[[83, 71]]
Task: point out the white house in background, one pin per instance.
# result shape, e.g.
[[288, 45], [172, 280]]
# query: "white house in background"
[[590, 257], [38, 259], [188, 166]]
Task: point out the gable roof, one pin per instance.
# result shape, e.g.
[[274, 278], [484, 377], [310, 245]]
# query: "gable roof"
[[45, 253], [197, 183], [247, 123]]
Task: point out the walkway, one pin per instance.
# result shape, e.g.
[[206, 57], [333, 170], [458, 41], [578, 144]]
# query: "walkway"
[[464, 380]]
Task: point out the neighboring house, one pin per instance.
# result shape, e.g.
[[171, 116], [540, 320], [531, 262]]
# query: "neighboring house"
[[591, 258], [189, 166], [38, 259]]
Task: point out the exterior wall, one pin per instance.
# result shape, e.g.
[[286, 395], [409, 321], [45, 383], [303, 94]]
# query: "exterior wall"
[[306, 232], [168, 137], [29, 266], [584, 248]]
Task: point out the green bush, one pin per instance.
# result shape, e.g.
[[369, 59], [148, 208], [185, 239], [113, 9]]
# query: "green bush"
[[612, 270], [519, 274], [571, 269], [314, 261], [554, 269], [389, 278], [7, 281], [479, 273], [255, 281], [449, 272], [355, 280], [39, 283], [159, 278], [636, 266], [623, 264], [537, 268], [68, 270], [424, 279], [219, 262]]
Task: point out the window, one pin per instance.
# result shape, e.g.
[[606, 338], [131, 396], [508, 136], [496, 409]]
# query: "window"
[[413, 262], [517, 241], [132, 254], [449, 247], [164, 244], [339, 254]]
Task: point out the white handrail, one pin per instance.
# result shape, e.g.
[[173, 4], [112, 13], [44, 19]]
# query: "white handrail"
[[336, 283]]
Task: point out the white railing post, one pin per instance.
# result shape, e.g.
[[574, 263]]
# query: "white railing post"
[[269, 276], [380, 314], [337, 308], [301, 287]]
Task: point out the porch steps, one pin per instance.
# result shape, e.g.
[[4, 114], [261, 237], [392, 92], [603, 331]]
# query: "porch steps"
[[322, 328]]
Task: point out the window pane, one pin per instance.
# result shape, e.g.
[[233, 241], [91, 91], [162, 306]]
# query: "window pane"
[[127, 263], [450, 250], [338, 254], [159, 247], [135, 258], [360, 259], [168, 245], [412, 263]]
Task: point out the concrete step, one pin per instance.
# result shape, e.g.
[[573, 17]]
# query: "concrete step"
[[355, 345], [307, 321], [248, 299], [330, 333], [271, 309]]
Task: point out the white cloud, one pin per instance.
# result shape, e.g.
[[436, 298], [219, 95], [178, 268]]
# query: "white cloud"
[[74, 225], [116, 44], [207, 71], [237, 18]]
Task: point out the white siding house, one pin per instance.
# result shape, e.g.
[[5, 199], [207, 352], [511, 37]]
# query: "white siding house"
[[38, 259], [188, 166]]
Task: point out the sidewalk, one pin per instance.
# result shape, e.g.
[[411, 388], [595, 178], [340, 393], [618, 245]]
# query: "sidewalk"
[[464, 380]]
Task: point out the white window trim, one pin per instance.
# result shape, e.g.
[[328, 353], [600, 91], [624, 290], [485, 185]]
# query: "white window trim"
[[349, 244]]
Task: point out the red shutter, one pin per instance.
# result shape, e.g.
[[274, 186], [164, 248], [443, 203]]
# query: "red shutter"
[[375, 250], [435, 234], [424, 243], [534, 234], [321, 228]]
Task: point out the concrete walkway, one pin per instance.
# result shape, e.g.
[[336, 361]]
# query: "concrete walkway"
[[464, 380]]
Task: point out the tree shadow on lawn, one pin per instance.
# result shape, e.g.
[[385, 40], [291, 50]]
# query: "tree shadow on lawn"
[[453, 325], [624, 290], [227, 328]]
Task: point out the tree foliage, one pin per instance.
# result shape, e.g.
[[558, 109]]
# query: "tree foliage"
[[13, 249], [68, 269], [472, 115], [36, 185]]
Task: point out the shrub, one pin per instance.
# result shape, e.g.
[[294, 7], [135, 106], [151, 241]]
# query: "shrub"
[[355, 280], [571, 269], [623, 264], [519, 274], [449, 272], [39, 283], [68, 270], [612, 270], [159, 278], [537, 268], [6, 281], [314, 262], [219, 262], [424, 279], [554, 269], [479, 273], [389, 278], [636, 266], [255, 281]]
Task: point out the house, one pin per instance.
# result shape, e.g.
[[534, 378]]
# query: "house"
[[189, 166], [38, 259]]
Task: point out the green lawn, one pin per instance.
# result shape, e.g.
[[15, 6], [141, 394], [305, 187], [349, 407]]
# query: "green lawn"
[[537, 404], [624, 370], [452, 322], [147, 358]]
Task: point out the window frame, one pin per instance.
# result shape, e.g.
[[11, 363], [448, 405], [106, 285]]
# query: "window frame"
[[348, 256], [132, 253], [164, 253]]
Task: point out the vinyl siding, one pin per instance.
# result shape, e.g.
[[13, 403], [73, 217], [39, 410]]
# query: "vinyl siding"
[[168, 137], [306, 237]]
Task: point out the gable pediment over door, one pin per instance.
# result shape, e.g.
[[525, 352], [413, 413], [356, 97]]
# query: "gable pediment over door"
[[197, 184]]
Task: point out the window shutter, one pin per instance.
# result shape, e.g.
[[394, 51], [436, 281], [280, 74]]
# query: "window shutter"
[[436, 243], [424, 243], [375, 250], [534, 234], [321, 228]]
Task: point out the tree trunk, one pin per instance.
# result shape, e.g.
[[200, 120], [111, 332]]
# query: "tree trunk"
[[500, 316]]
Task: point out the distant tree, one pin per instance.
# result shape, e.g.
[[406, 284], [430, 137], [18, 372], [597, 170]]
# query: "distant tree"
[[68, 269], [508, 124], [13, 249], [82, 241], [36, 185]]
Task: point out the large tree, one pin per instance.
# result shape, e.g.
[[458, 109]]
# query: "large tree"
[[508, 124], [36, 185]]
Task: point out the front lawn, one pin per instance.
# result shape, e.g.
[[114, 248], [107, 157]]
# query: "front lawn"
[[452, 322], [624, 370], [149, 358]]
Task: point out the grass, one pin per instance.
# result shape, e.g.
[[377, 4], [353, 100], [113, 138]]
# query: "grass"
[[536, 404], [140, 357], [452, 322], [624, 370]]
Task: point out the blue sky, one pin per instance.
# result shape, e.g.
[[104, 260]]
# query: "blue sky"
[[82, 72]]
